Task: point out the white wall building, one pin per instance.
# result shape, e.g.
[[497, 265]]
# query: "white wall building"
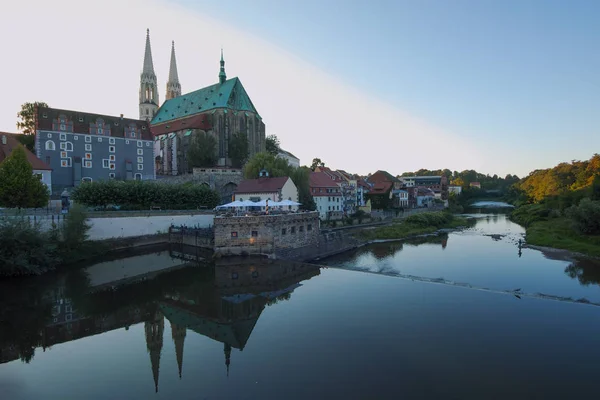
[[263, 188], [291, 159]]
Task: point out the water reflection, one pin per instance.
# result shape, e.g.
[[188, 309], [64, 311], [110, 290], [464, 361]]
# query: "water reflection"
[[586, 271], [489, 255], [222, 301]]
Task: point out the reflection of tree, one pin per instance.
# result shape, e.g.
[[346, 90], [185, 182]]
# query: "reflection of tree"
[[585, 271], [23, 315]]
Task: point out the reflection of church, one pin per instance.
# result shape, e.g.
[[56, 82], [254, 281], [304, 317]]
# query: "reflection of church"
[[226, 310]]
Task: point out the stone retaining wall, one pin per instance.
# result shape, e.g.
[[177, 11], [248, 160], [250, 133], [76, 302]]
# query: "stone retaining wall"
[[265, 233]]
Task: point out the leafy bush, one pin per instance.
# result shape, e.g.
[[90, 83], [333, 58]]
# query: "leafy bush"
[[585, 217], [145, 194], [24, 248], [528, 214], [435, 219]]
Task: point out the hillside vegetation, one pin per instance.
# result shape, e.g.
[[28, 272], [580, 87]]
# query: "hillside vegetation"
[[560, 206]]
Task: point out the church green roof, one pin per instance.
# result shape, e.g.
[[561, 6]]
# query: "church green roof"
[[228, 95]]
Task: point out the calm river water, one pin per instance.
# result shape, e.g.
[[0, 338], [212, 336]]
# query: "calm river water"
[[431, 319]]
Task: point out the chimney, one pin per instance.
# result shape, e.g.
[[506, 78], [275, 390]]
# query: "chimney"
[[3, 139], [121, 116]]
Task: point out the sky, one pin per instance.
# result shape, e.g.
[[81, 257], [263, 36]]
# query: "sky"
[[497, 86]]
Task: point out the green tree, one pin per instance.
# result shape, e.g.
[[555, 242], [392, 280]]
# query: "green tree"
[[203, 151], [26, 123], [19, 188], [274, 165], [272, 144], [280, 167], [301, 178], [316, 162], [238, 149]]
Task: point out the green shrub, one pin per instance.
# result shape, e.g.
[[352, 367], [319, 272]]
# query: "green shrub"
[[133, 195], [528, 214], [74, 230], [585, 217], [435, 219], [24, 248]]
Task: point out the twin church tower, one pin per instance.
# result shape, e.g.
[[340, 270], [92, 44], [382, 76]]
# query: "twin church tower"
[[149, 101]]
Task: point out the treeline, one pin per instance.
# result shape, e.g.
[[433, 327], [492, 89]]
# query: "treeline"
[[464, 178], [558, 202], [567, 180]]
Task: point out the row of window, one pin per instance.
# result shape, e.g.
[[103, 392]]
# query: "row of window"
[[111, 175], [293, 229], [67, 162], [64, 123], [88, 139], [330, 208], [284, 231], [68, 146]]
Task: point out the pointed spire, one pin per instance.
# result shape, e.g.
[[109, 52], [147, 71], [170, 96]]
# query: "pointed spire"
[[222, 75], [178, 334], [173, 86], [154, 343], [227, 350], [173, 77], [148, 65]]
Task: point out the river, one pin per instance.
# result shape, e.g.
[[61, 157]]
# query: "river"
[[438, 317]]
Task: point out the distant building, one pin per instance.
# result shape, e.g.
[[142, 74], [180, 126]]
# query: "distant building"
[[81, 147], [455, 189], [400, 198], [425, 197], [327, 195], [475, 185], [265, 187], [9, 142], [439, 184], [289, 157]]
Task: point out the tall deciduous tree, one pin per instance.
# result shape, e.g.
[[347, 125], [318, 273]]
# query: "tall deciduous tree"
[[203, 151], [316, 162], [19, 188], [238, 149], [280, 167], [272, 144], [26, 123]]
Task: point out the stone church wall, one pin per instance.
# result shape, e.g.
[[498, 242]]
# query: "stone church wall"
[[223, 180]]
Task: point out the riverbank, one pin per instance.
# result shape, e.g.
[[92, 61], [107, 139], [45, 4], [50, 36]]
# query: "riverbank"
[[549, 228], [558, 233], [414, 226]]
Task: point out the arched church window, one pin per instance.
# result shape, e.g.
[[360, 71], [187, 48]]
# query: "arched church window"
[[50, 145]]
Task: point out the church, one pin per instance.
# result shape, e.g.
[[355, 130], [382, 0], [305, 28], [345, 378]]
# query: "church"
[[221, 110]]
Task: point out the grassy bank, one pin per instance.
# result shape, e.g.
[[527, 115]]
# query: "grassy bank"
[[415, 225], [550, 227], [558, 233]]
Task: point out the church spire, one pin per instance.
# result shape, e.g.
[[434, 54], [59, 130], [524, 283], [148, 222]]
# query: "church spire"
[[148, 87], [178, 334], [148, 64], [227, 350], [154, 343], [173, 86], [222, 75]]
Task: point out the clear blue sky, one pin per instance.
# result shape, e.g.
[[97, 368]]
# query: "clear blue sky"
[[522, 72]]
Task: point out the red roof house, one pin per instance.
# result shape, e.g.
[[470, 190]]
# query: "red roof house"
[[274, 189]]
